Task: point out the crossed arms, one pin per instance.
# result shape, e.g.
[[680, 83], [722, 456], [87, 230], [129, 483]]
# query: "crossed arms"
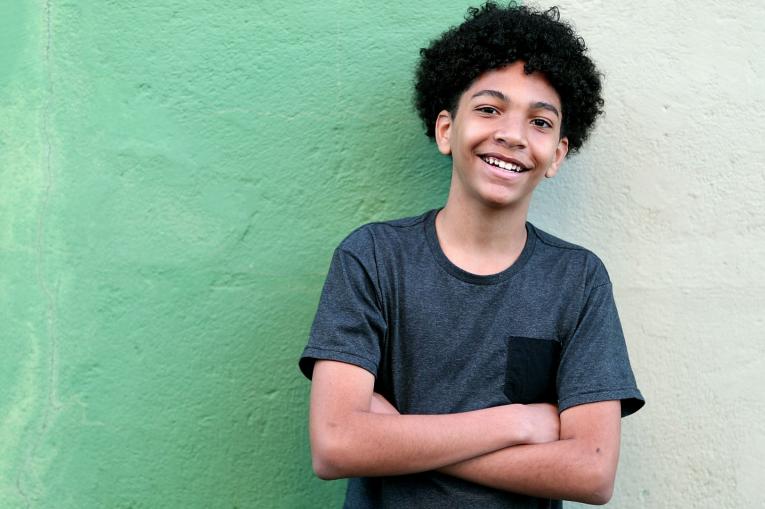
[[525, 449]]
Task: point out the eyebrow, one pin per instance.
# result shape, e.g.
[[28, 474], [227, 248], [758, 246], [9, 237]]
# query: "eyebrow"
[[493, 93], [541, 105], [502, 97]]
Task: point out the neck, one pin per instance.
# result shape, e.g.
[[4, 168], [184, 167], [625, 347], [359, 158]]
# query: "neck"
[[481, 239]]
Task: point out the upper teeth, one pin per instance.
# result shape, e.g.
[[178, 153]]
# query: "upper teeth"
[[502, 164]]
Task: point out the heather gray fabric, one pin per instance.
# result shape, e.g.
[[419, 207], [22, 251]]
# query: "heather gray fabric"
[[441, 340]]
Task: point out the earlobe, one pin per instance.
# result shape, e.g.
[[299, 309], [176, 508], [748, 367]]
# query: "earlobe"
[[443, 131], [560, 155]]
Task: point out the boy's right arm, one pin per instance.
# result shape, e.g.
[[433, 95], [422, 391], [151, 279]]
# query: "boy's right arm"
[[348, 440]]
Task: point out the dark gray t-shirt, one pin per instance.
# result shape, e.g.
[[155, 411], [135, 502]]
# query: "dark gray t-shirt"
[[441, 340]]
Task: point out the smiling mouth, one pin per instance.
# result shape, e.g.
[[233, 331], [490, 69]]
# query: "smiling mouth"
[[507, 166]]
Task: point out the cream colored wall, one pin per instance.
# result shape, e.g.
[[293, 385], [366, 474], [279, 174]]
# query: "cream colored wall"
[[670, 193]]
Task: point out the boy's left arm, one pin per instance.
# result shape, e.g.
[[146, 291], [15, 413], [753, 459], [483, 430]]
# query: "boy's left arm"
[[581, 466]]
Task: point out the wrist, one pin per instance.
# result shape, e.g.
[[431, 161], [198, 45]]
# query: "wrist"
[[510, 422], [518, 426]]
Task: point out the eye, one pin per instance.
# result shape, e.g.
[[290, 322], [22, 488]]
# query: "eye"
[[487, 110], [540, 122]]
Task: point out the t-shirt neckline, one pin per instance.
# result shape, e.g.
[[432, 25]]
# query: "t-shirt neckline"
[[469, 277]]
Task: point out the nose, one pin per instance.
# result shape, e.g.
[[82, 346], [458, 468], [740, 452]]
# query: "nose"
[[511, 131]]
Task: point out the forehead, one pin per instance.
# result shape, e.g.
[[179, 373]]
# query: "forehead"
[[515, 84]]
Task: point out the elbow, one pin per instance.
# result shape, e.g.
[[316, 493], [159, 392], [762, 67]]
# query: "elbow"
[[600, 494], [324, 468], [599, 484], [327, 459]]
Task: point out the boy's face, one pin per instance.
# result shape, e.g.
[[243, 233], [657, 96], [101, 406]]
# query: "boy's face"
[[505, 118]]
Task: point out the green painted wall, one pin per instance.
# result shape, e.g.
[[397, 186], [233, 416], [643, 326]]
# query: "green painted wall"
[[173, 179]]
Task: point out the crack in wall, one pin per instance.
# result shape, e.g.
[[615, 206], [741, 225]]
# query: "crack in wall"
[[52, 403]]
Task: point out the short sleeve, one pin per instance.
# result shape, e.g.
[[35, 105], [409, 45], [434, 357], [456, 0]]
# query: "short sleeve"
[[349, 324], [594, 364]]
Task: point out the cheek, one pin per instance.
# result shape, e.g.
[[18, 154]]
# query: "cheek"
[[546, 148], [473, 133]]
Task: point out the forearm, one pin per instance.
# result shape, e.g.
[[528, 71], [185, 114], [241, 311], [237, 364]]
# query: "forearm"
[[371, 444], [566, 469], [581, 466], [350, 438]]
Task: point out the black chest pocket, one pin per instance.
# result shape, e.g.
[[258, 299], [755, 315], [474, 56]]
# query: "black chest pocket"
[[532, 368]]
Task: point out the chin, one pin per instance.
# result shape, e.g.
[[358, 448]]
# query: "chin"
[[499, 203], [501, 199]]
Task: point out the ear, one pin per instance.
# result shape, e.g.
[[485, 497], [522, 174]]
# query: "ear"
[[560, 155], [443, 130]]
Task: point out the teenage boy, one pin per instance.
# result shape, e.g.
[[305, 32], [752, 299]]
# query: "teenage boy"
[[465, 358]]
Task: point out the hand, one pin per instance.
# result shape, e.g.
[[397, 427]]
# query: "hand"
[[543, 423], [380, 405]]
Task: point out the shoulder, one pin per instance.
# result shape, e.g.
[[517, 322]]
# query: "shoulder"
[[571, 257]]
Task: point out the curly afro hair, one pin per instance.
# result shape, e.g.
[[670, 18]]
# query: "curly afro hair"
[[492, 37]]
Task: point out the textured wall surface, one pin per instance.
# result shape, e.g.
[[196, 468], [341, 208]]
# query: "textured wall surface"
[[175, 175]]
